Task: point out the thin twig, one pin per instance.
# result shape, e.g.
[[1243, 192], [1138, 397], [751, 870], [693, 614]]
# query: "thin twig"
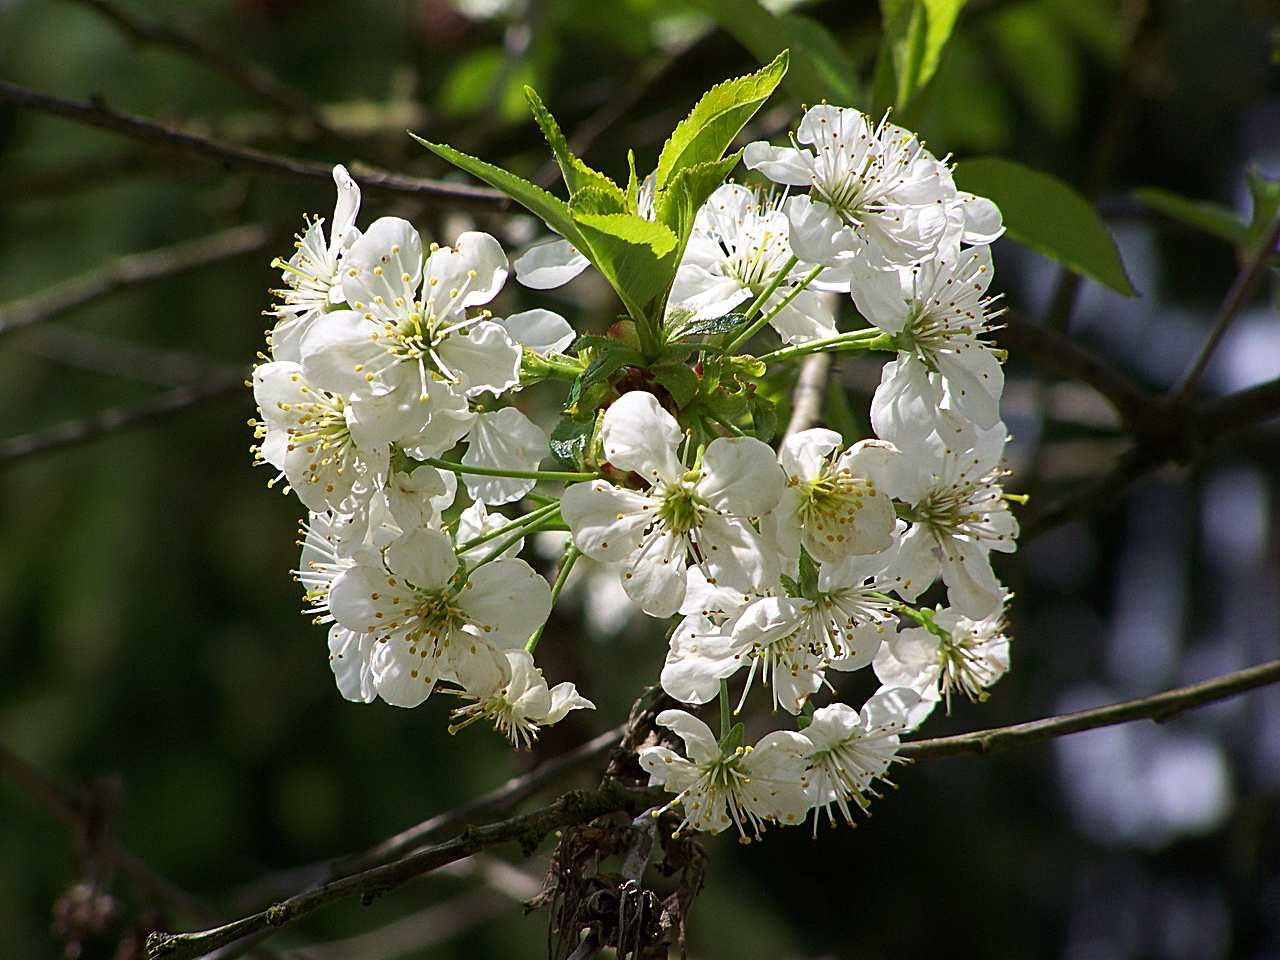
[[97, 114], [1241, 292], [1159, 707], [131, 270], [249, 75], [117, 418], [572, 808]]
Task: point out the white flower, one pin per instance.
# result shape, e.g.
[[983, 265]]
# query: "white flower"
[[742, 787], [432, 622], [959, 655], [311, 275], [958, 513], [833, 502], [520, 705], [309, 435], [503, 440], [878, 196], [794, 640], [936, 310], [413, 357], [700, 515], [737, 248], [850, 750]]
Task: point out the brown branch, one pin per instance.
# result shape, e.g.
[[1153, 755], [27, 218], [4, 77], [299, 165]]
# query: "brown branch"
[[1241, 292], [250, 76], [810, 393], [206, 150], [117, 418], [572, 808], [63, 803], [501, 800], [1159, 708], [129, 271]]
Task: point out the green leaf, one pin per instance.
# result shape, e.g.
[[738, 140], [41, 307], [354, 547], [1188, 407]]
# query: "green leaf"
[[569, 442], [1214, 219], [553, 211], [1266, 200], [681, 382], [577, 174], [820, 68], [915, 34], [713, 325], [1043, 213], [677, 206], [704, 135], [636, 256], [764, 417]]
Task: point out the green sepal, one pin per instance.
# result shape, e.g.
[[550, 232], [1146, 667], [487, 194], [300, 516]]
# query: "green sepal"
[[570, 441], [681, 382], [732, 741], [808, 576], [764, 417]]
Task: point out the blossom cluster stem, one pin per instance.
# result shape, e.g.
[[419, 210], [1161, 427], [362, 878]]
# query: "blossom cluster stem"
[[755, 327], [565, 476], [520, 523], [871, 338], [570, 557]]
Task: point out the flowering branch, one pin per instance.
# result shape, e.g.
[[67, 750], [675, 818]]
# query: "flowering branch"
[[96, 114], [1159, 707], [528, 829]]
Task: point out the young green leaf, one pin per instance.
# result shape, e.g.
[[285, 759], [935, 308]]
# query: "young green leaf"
[[636, 256], [553, 211], [1043, 213], [677, 206], [577, 174], [915, 34], [569, 442], [704, 135], [1214, 219]]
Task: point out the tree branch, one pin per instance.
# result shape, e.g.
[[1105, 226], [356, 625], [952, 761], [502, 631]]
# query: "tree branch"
[[573, 808], [249, 75], [97, 114], [116, 418], [810, 393], [129, 271], [1159, 708]]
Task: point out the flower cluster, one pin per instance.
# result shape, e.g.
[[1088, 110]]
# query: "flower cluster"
[[782, 566]]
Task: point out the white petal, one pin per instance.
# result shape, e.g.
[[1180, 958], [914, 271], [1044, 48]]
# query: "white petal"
[[539, 330], [637, 434], [550, 264]]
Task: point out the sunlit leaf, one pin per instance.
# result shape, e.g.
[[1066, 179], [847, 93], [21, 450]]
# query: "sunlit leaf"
[[1043, 213]]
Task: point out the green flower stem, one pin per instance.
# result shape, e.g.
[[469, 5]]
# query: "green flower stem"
[[566, 476], [726, 723], [535, 521], [753, 328], [535, 367], [529, 518], [570, 557], [758, 303], [872, 338]]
